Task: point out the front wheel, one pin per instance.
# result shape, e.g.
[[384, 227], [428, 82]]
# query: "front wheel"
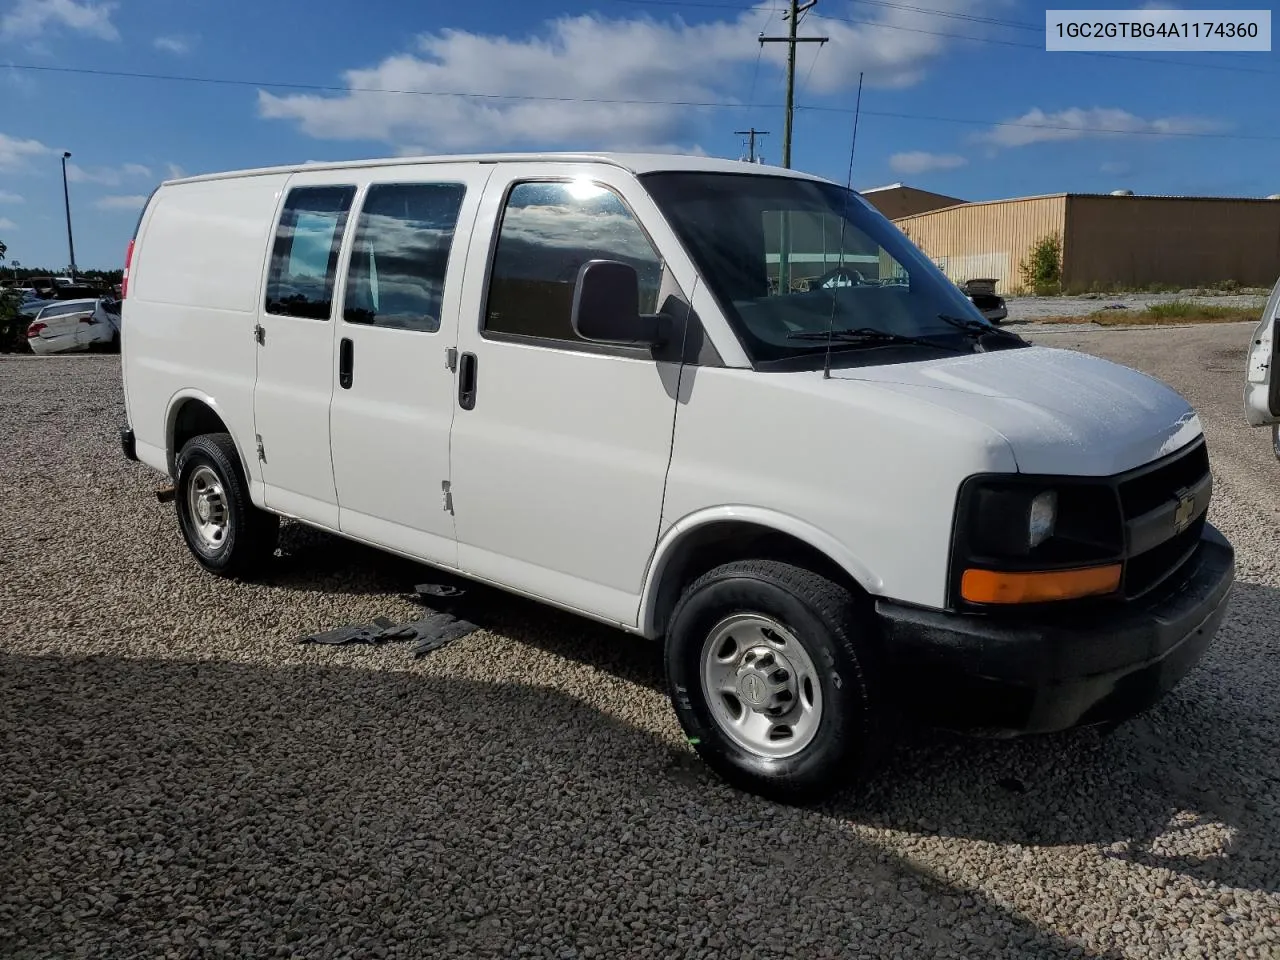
[[223, 529], [772, 673]]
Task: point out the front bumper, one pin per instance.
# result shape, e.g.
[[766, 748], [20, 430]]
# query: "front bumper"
[[1003, 675]]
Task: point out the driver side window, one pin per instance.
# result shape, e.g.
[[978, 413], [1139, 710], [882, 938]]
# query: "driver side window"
[[548, 231]]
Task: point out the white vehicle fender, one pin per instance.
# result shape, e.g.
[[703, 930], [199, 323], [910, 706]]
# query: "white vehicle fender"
[[170, 424], [670, 544]]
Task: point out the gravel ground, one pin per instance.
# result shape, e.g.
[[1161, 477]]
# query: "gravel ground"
[[1030, 309], [181, 778]]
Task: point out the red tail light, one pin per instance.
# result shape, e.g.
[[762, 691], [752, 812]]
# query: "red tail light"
[[33, 331], [124, 281]]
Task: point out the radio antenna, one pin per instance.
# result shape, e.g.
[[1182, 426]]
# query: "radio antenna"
[[844, 220]]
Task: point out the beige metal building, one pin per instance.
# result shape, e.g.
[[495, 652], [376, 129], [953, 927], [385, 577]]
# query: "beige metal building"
[[1108, 241], [898, 200]]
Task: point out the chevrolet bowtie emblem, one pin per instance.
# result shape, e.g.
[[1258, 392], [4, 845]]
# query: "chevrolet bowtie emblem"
[[1185, 511]]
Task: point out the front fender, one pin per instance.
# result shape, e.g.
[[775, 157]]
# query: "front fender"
[[671, 543]]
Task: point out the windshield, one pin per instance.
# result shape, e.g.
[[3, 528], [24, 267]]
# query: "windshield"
[[789, 259]]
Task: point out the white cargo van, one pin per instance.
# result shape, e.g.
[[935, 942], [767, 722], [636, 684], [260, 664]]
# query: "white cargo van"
[[717, 403], [1262, 382]]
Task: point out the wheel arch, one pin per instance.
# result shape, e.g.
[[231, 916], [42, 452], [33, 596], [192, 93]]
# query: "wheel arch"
[[190, 414], [716, 535]]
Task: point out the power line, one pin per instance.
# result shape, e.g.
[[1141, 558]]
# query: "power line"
[[333, 88], [1046, 126], [812, 63], [1189, 63], [755, 72], [889, 4]]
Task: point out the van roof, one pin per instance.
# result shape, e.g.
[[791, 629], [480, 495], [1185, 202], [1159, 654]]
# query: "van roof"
[[636, 163]]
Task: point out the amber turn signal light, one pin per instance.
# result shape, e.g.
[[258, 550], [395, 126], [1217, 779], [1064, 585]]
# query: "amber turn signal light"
[[995, 586]]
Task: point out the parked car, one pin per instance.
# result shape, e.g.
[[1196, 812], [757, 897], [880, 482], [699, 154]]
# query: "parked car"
[[69, 326], [1262, 382], [983, 295], [567, 376]]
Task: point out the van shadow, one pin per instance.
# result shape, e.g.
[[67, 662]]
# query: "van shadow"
[[312, 560], [233, 809], [1162, 790]]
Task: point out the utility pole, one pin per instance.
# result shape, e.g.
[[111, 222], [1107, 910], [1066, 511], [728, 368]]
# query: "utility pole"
[[751, 144], [793, 21], [66, 198]]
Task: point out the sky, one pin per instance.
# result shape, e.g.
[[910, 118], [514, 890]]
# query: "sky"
[[958, 97]]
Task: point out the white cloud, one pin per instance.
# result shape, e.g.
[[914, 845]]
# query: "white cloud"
[[1036, 126], [14, 153], [8, 197], [598, 58], [131, 202], [7, 224], [178, 46], [31, 18], [918, 161], [107, 176], [174, 172]]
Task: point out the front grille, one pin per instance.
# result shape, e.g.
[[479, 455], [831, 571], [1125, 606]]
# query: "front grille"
[[1148, 570], [1152, 489], [1148, 490]]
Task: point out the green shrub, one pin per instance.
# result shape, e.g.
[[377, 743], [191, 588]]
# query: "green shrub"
[[1042, 270]]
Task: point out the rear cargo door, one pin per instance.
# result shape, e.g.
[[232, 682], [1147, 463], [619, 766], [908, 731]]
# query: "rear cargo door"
[[1262, 379]]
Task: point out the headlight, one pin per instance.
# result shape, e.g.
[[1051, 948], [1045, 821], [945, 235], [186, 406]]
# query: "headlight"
[[1043, 514], [1030, 539]]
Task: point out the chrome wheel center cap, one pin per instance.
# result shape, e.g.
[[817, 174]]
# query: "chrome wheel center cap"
[[202, 509], [766, 681]]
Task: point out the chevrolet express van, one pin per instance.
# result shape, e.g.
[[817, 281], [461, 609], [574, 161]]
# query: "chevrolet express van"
[[723, 405]]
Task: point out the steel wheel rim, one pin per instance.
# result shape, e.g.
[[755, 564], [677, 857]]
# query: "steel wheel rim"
[[207, 506], [744, 660]]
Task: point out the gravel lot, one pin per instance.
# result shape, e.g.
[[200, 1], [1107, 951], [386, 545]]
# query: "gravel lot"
[[1031, 309], [181, 778]]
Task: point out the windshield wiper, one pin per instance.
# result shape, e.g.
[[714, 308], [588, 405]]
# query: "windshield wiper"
[[979, 330], [868, 337]]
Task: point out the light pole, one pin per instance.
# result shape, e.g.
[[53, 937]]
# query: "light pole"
[[66, 197]]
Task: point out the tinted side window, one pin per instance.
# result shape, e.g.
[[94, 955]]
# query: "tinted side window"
[[401, 253], [305, 256], [548, 231]]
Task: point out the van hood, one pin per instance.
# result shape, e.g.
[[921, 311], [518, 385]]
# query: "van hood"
[[1060, 411]]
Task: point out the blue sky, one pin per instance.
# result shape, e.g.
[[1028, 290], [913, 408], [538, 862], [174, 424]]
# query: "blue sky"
[[1033, 119]]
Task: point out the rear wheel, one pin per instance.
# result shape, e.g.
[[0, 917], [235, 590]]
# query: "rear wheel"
[[772, 674], [223, 529]]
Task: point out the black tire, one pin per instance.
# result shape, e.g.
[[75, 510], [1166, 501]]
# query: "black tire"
[[251, 534], [835, 630]]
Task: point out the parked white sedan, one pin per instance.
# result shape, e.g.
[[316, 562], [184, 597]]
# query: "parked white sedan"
[[66, 326]]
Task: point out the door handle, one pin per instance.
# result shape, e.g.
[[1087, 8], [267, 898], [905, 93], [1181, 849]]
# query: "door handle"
[[467, 381], [346, 363]]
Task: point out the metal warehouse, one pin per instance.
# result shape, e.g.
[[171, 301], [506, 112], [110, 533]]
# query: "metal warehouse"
[[1108, 240]]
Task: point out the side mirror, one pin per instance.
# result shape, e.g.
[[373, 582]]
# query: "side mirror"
[[606, 306]]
